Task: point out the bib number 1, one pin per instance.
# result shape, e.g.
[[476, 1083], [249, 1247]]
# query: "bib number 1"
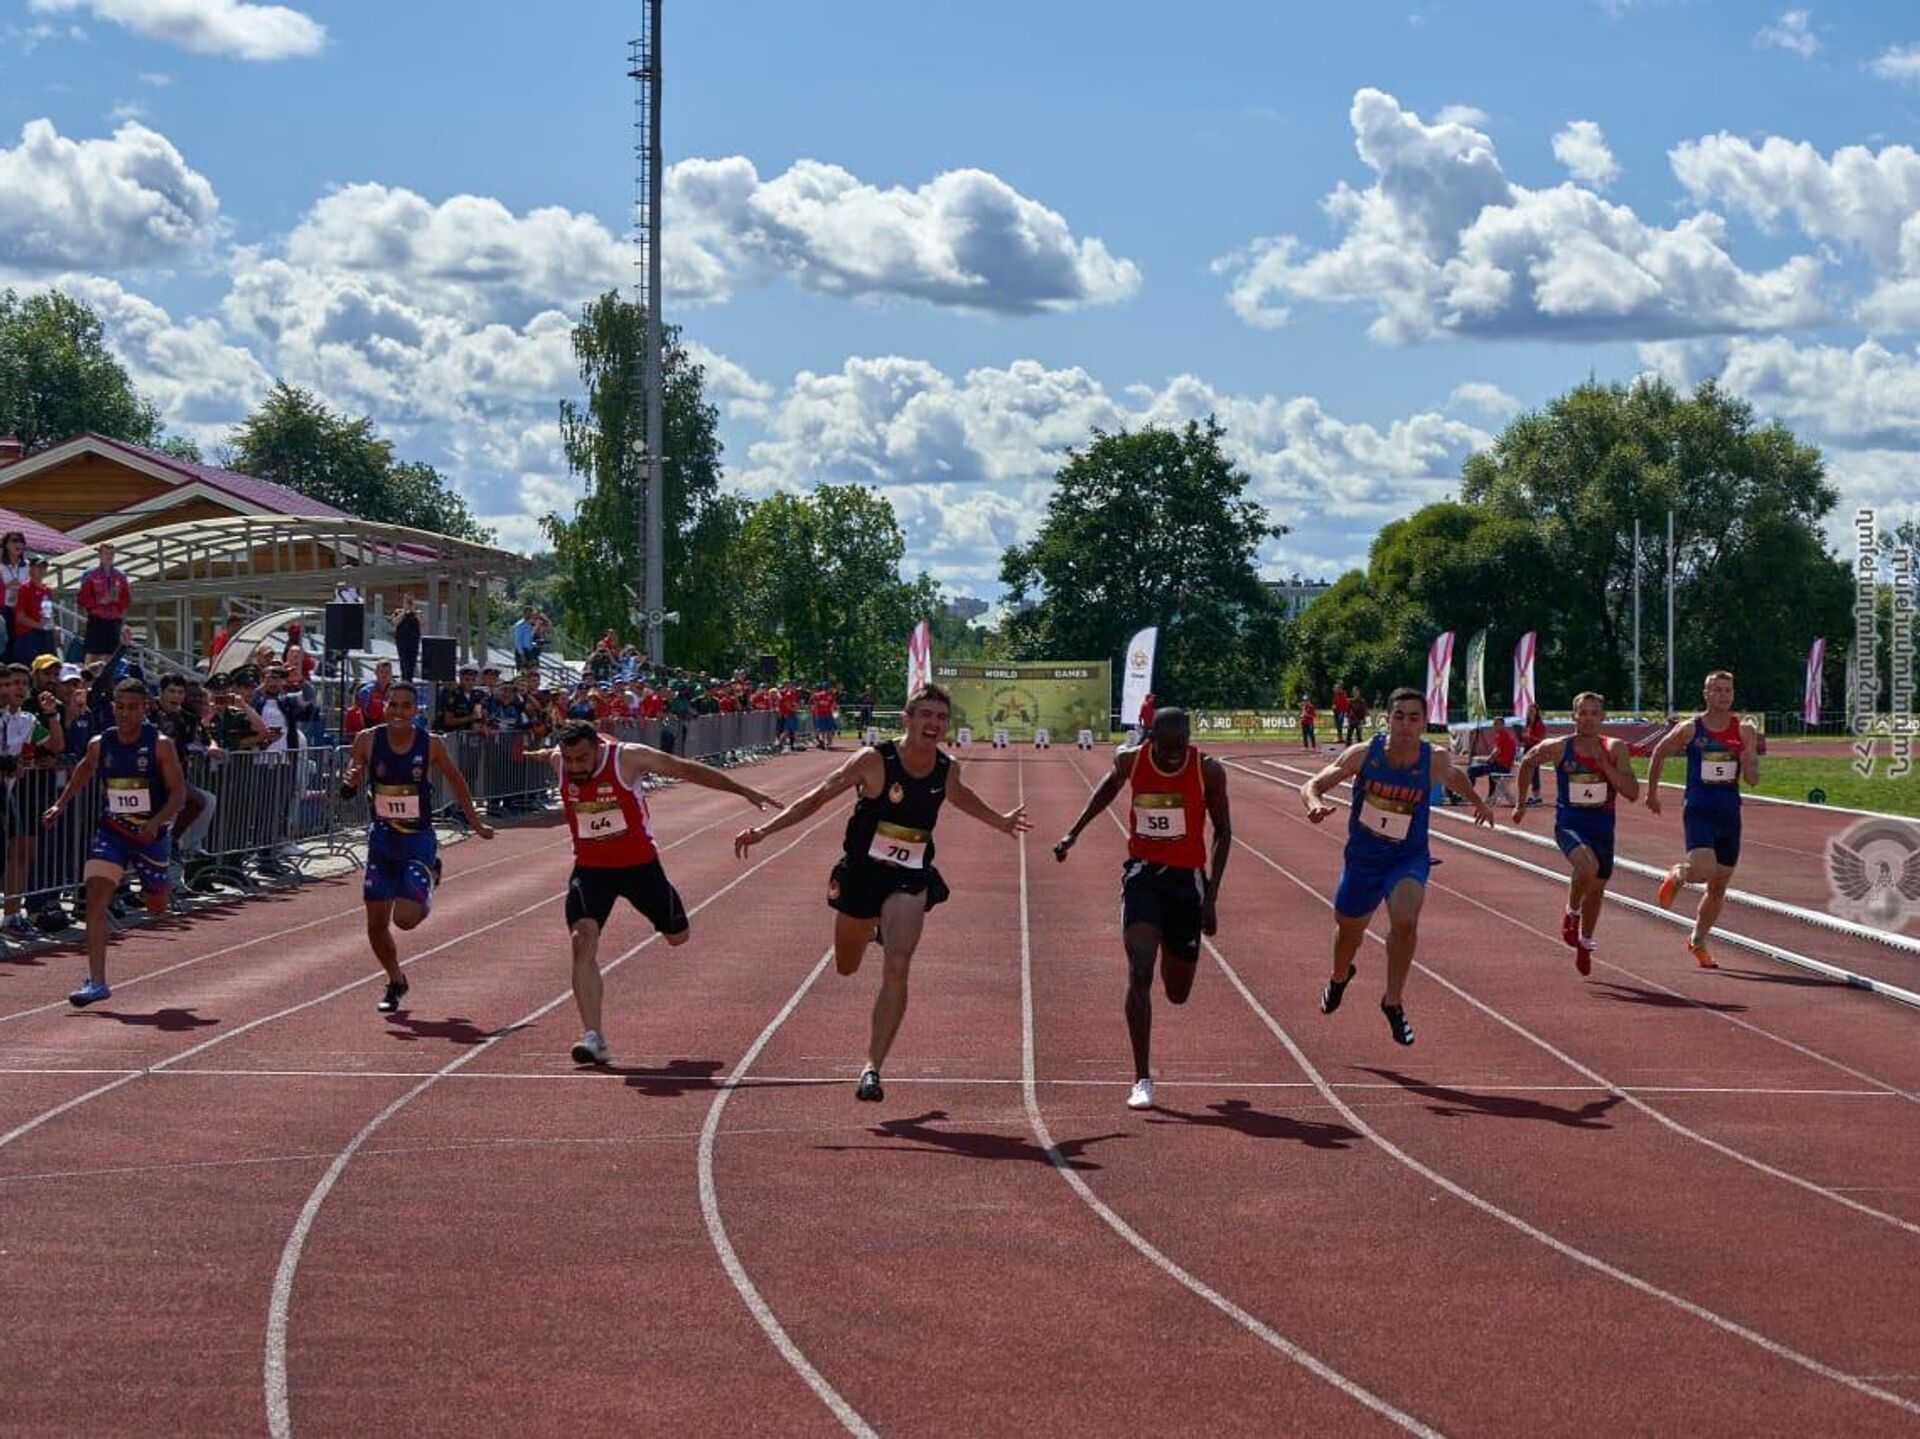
[[1387, 823]]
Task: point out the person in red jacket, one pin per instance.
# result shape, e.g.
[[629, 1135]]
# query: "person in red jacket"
[[825, 725], [1308, 716]]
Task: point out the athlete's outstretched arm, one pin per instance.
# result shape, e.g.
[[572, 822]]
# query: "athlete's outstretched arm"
[[863, 767], [358, 758], [1616, 758], [1213, 780], [1673, 741], [442, 764], [1448, 773], [1314, 792], [81, 773], [636, 759], [1101, 797], [1547, 751], [1014, 821]]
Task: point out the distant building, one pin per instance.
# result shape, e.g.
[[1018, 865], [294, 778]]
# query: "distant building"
[[1296, 594], [965, 608]]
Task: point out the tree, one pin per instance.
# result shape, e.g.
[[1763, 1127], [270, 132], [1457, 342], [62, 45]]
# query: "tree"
[[295, 440], [58, 378], [1153, 527], [598, 549]]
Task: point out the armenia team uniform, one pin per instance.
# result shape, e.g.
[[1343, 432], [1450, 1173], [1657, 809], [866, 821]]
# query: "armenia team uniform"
[[1163, 881], [401, 846], [1710, 814], [614, 854], [1386, 829], [889, 840], [1583, 810], [132, 791]]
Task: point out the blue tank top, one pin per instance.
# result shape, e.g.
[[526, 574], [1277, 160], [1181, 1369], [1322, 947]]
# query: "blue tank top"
[[131, 790], [1713, 767], [1586, 795], [1389, 812], [401, 784]]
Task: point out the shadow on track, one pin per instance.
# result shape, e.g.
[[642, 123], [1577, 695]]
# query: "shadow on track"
[[169, 1021], [924, 1138], [1654, 999], [1242, 1118], [1459, 1102]]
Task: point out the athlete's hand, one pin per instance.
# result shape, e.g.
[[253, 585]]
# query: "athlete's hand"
[[1318, 809], [150, 831], [763, 801], [1209, 917], [51, 817], [1017, 821], [1653, 799], [746, 840], [1519, 812], [1481, 814], [1060, 849], [483, 829]]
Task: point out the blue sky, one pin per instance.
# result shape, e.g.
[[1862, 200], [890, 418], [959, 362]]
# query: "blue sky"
[[928, 247]]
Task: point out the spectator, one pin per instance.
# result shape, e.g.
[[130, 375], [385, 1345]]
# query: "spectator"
[[1498, 765], [1146, 712], [105, 597], [866, 711], [601, 664], [1342, 712], [25, 736], [1356, 718], [32, 611], [280, 711], [526, 640], [1308, 716], [13, 574], [222, 637], [453, 705], [1534, 733], [187, 728], [406, 637], [373, 694], [825, 724]]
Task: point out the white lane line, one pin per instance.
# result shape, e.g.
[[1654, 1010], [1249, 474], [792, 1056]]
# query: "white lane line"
[[1587, 1072], [1532, 1231], [279, 1303], [1733, 1019], [737, 1275], [1037, 1121]]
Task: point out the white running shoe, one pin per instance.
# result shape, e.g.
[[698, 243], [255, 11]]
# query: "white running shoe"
[[590, 1048], [1141, 1095]]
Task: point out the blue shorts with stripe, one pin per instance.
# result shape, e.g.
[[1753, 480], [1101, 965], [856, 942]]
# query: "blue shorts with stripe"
[[1368, 879], [1596, 835], [1714, 829], [119, 846], [399, 865]]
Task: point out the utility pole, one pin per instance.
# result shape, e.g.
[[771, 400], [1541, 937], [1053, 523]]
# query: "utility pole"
[[1636, 617], [644, 67], [1672, 710]]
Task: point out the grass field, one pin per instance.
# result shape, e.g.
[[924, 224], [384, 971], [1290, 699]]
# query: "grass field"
[[1791, 776]]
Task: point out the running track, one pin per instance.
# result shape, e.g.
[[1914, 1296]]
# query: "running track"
[[234, 1199]]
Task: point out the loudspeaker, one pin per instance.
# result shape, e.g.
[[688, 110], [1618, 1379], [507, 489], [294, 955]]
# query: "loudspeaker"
[[769, 667], [437, 660], [346, 628]]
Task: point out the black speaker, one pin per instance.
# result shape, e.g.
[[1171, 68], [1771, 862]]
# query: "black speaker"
[[769, 667], [346, 628], [437, 659]]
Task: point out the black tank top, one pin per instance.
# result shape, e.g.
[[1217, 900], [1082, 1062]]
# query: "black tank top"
[[895, 826]]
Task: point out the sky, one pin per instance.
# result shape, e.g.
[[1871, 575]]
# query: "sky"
[[932, 247]]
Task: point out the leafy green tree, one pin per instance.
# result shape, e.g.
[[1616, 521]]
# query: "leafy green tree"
[[1360, 633], [598, 548], [58, 378], [295, 440], [1147, 527]]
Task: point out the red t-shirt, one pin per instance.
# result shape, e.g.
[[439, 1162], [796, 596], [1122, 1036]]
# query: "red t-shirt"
[[1505, 747], [105, 594], [760, 699], [220, 638], [789, 703], [1339, 700], [1308, 714], [30, 608], [823, 704]]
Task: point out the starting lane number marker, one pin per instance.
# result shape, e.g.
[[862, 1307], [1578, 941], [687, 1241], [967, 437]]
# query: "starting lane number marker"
[[1042, 739], [1085, 741], [964, 737], [999, 739], [872, 736]]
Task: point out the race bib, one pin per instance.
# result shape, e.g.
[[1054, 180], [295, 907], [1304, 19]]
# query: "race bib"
[[129, 797], [600, 821], [897, 845], [400, 802], [1587, 792], [1718, 767], [1381, 819], [1159, 816]]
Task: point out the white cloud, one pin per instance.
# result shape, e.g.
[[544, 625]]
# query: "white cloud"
[[1490, 401], [1469, 115], [214, 27], [1582, 148], [965, 239], [1443, 243], [1898, 62], [1793, 31], [1864, 396], [99, 204]]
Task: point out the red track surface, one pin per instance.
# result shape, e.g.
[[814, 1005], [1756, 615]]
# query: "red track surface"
[[1652, 1201]]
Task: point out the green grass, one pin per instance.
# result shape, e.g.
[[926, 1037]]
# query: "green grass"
[[1791, 776]]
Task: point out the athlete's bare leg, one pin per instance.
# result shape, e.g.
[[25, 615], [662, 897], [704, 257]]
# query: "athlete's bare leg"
[[1403, 934], [1143, 944], [901, 919], [1586, 889], [587, 988], [407, 914], [100, 890], [1710, 903], [1699, 867], [851, 936], [1349, 931], [380, 937]]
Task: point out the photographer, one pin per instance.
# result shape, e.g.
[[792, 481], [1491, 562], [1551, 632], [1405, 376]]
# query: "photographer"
[[29, 738], [280, 711]]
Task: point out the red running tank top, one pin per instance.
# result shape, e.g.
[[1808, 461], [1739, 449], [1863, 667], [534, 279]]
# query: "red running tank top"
[[608, 817], [1168, 812]]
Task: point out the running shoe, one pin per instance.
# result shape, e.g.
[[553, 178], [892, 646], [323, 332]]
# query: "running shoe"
[[590, 1048], [1397, 1022], [869, 1087], [92, 992], [1698, 949], [1570, 928], [1141, 1096], [1336, 990], [396, 991], [1669, 887], [1583, 957]]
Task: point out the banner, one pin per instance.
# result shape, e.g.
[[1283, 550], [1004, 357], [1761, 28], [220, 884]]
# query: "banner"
[[1477, 676], [1061, 696], [1439, 666], [1853, 681], [919, 658], [1816, 660], [1525, 697], [1138, 679]]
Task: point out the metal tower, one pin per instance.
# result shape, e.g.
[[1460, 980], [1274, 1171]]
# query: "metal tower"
[[643, 67]]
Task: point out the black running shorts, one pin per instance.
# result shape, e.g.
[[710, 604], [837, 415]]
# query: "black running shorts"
[[1166, 897], [591, 893], [859, 886]]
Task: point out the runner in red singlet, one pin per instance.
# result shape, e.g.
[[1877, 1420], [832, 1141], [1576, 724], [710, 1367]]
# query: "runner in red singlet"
[[1165, 902], [614, 855]]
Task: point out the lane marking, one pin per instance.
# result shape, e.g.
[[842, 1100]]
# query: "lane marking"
[[1037, 1122]]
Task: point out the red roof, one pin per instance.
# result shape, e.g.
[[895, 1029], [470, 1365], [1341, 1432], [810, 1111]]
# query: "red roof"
[[265, 493], [41, 539]]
